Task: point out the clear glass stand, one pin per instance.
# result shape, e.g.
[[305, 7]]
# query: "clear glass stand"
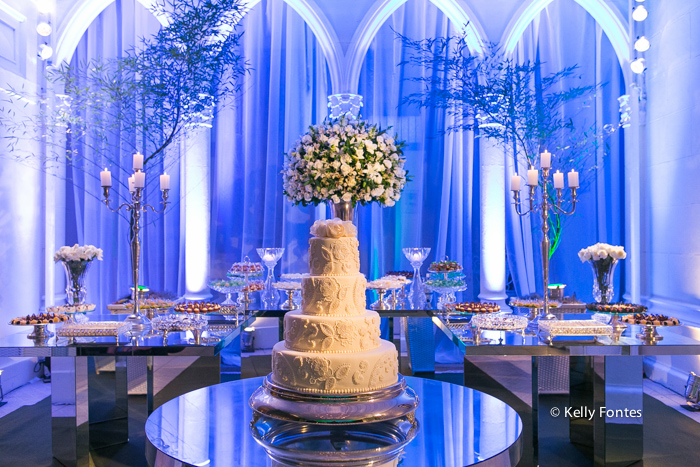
[[270, 257], [416, 256]]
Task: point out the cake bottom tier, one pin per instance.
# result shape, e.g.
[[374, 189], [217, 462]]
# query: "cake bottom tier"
[[327, 373]]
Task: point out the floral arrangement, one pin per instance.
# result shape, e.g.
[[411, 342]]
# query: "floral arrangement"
[[602, 251], [603, 259], [348, 160], [333, 228], [78, 253]]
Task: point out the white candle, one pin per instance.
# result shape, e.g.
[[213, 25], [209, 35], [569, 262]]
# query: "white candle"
[[532, 176], [138, 161], [139, 179], [131, 184], [164, 181], [106, 178], [573, 179], [558, 180], [546, 159], [515, 183]]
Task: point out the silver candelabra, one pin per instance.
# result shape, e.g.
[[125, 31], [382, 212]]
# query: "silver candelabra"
[[136, 207], [544, 207]]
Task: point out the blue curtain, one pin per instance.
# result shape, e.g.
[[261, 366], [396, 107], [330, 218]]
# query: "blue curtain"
[[438, 208], [87, 220], [285, 92], [599, 216]]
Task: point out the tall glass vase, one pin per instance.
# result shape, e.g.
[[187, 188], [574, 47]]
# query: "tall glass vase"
[[603, 273], [344, 210], [75, 281]]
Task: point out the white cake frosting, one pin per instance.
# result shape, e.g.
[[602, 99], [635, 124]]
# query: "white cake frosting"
[[343, 334], [332, 345], [335, 296], [335, 373], [334, 256]]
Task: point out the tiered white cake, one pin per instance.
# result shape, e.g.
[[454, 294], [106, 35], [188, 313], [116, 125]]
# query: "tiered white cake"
[[332, 345]]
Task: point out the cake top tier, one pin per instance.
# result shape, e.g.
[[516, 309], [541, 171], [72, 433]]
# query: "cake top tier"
[[333, 228]]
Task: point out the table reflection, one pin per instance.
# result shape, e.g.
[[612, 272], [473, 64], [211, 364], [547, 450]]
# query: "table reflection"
[[458, 427]]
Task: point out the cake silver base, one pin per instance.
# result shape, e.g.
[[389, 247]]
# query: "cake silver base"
[[292, 444], [384, 404]]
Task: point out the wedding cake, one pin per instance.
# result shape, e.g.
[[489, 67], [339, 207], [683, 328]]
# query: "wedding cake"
[[332, 345]]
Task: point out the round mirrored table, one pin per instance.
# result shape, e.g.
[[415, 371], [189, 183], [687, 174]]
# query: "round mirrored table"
[[458, 427]]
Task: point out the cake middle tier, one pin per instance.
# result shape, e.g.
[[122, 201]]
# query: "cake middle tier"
[[334, 295], [343, 334], [334, 256], [339, 373]]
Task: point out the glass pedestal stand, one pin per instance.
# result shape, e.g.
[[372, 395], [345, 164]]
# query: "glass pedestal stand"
[[270, 257], [416, 256], [384, 404], [380, 304], [289, 304]]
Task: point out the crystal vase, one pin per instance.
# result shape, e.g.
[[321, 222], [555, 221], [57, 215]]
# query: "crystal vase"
[[75, 281], [343, 210], [603, 273]]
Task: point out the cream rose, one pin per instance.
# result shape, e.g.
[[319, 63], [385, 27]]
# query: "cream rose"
[[333, 228]]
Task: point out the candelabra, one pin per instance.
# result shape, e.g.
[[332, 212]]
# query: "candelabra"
[[136, 207], [544, 207]]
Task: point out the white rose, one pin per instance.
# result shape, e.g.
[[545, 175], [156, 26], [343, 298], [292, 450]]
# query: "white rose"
[[377, 192], [347, 197], [602, 253], [345, 169], [335, 199], [306, 139]]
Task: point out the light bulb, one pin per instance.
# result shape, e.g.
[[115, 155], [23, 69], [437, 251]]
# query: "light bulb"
[[43, 29], [44, 6], [45, 51], [642, 44], [640, 13], [637, 66]]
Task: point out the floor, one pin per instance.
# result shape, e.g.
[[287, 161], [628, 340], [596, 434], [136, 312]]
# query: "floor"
[[669, 429]]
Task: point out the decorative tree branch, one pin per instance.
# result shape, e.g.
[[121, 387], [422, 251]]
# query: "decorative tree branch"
[[510, 103], [144, 101]]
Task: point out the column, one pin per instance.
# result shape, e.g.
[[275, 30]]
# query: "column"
[[492, 223], [70, 431], [196, 202]]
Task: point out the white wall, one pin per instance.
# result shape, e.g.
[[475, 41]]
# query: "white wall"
[[671, 199]]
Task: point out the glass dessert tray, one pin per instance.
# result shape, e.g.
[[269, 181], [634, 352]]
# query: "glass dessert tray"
[[549, 329], [381, 405]]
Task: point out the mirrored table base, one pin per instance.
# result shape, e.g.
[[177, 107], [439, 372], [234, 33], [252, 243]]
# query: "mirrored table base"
[[458, 427]]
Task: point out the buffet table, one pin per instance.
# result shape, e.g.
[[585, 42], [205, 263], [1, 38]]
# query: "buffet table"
[[70, 379], [603, 373], [212, 426]]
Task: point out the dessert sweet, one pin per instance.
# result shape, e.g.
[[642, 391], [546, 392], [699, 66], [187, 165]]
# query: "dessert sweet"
[[82, 308], [197, 307], [533, 303], [473, 307], [616, 308], [406, 274], [41, 318], [445, 266], [98, 328], [245, 268], [332, 345], [650, 320]]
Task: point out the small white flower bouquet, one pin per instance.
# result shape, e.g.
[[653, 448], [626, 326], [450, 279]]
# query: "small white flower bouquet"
[[78, 253], [348, 160], [601, 251]]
